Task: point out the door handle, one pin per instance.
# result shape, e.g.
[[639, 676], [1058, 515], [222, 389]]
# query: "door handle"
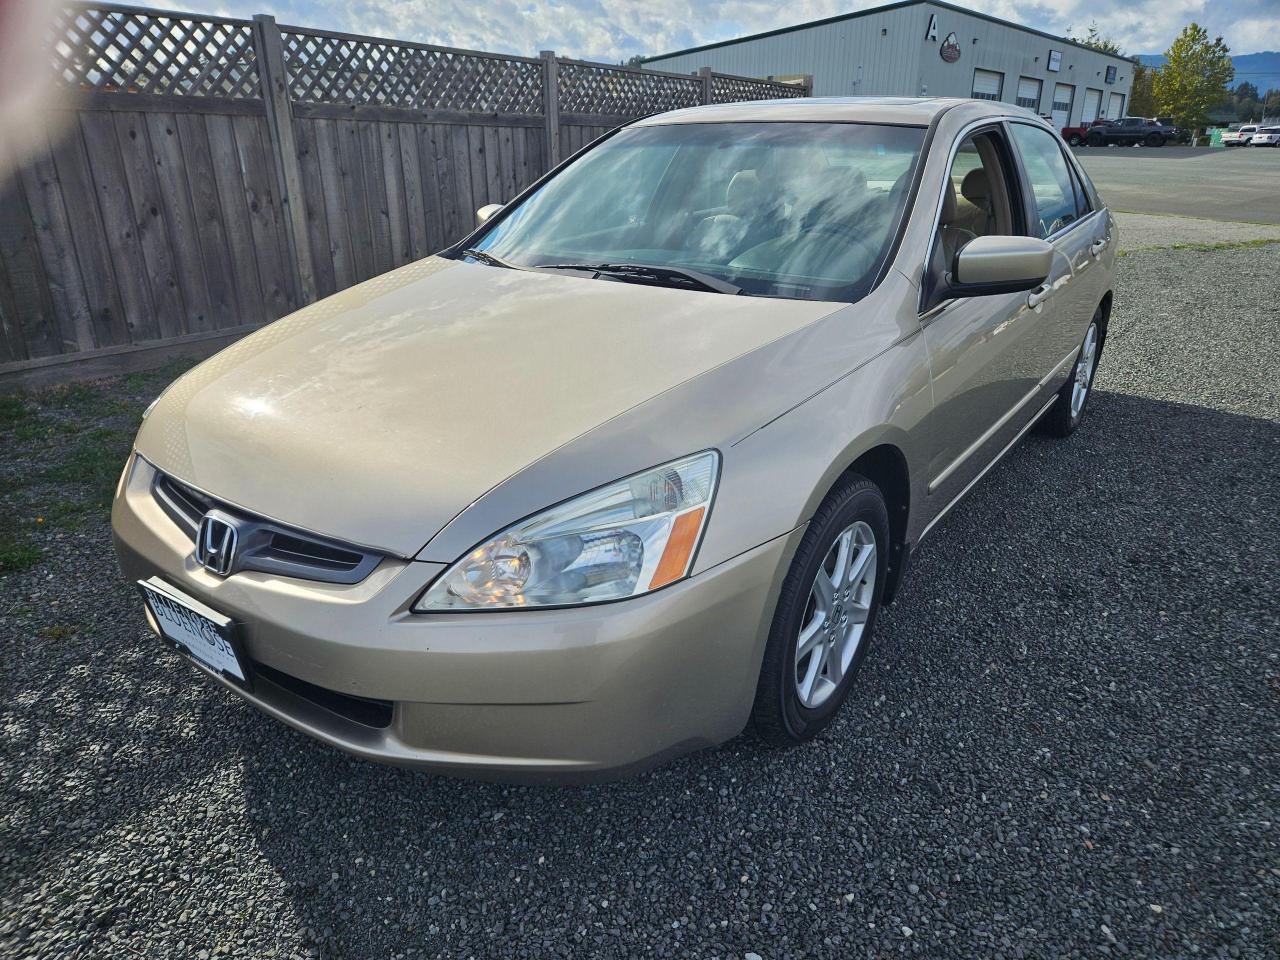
[[1038, 296], [1098, 246]]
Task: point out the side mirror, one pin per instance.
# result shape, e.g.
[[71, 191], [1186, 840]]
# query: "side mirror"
[[487, 211], [987, 266]]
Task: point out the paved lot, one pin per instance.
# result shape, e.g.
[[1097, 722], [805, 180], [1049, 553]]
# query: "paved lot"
[[1225, 184], [1064, 744]]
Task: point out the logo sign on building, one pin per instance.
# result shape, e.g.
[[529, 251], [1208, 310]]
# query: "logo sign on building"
[[931, 33], [1111, 75], [1055, 60], [950, 49]]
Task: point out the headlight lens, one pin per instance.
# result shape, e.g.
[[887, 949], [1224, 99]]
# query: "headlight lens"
[[620, 540]]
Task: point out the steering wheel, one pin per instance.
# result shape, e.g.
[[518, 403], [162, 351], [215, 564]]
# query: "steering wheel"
[[846, 232]]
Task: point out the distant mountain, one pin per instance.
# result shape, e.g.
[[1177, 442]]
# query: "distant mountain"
[[1260, 69]]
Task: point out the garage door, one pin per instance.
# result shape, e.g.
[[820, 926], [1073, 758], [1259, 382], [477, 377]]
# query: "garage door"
[[1115, 106], [987, 84], [1029, 93], [1063, 94], [1092, 105]]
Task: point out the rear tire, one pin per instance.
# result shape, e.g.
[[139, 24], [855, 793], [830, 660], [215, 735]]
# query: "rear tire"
[[1068, 410], [1094, 140], [821, 633], [1073, 140], [1155, 140]]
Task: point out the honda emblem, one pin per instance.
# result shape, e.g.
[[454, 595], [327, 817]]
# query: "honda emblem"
[[216, 543]]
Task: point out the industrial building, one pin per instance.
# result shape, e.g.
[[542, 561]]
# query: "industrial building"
[[927, 48]]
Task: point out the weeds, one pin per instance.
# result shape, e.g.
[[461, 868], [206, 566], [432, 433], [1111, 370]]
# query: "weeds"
[[61, 452]]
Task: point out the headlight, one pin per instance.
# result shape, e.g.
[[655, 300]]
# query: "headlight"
[[620, 540]]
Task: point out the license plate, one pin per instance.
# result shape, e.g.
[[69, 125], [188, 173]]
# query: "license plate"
[[196, 629]]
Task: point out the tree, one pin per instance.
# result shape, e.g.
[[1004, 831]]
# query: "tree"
[[1095, 39], [1246, 91], [1194, 77], [1271, 105], [1142, 97]]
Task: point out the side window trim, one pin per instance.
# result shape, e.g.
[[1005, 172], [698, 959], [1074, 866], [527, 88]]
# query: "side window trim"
[[1014, 186]]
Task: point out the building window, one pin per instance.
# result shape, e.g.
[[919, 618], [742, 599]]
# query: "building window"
[[1029, 93], [1111, 75], [987, 84], [1055, 60]]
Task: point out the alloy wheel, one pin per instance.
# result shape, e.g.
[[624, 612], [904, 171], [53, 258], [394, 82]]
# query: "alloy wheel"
[[1084, 370], [836, 614], [1085, 364]]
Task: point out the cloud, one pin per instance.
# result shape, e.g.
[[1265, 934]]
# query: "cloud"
[[614, 30]]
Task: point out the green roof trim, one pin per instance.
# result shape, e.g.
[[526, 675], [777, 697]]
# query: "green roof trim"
[[843, 17]]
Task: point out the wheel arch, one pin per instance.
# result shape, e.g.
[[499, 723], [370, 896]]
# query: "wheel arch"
[[884, 464]]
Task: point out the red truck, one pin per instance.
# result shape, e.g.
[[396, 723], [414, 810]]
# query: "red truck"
[[1075, 136]]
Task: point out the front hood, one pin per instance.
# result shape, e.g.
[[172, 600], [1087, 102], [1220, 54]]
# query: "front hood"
[[377, 415]]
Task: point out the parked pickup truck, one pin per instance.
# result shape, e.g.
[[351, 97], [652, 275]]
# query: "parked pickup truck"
[[1239, 135], [1130, 131], [1076, 135]]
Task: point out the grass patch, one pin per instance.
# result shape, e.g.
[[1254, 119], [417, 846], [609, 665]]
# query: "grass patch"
[[94, 461], [58, 631], [15, 556], [13, 411], [1221, 245], [61, 451]]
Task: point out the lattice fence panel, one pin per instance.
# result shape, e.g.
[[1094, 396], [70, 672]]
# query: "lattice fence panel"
[[327, 68], [736, 89], [119, 50], [597, 89]]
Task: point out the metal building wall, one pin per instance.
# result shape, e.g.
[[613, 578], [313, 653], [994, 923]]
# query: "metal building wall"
[[888, 53]]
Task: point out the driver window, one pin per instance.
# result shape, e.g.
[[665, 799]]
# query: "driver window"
[[976, 201]]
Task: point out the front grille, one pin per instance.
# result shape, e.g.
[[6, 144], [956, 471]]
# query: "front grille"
[[366, 711], [265, 545]]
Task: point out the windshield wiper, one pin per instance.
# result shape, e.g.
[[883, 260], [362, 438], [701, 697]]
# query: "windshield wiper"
[[489, 258], [643, 271]]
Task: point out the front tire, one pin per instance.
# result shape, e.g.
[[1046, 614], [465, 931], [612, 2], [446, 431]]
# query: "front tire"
[[1155, 140], [1073, 140], [1068, 410], [825, 616]]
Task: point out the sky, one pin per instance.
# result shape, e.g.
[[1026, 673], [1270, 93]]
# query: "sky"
[[613, 30]]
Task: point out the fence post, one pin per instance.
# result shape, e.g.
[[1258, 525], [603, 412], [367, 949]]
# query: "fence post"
[[551, 104], [704, 74], [274, 80]]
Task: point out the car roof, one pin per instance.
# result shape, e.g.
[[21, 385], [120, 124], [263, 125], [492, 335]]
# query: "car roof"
[[903, 111]]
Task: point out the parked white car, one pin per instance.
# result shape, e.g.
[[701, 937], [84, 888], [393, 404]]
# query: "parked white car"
[[1266, 137], [1241, 136]]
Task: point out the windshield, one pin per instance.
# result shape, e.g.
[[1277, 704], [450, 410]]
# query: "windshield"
[[800, 210]]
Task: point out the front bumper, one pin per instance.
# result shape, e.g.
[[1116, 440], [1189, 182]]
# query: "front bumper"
[[572, 694]]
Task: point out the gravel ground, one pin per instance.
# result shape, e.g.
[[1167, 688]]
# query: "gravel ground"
[[1144, 231], [1063, 746]]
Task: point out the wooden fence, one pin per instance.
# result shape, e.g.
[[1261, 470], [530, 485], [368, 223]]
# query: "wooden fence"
[[207, 175]]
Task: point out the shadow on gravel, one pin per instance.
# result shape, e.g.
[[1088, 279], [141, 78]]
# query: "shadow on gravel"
[[1066, 721]]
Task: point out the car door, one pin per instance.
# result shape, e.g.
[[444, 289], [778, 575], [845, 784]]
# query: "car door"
[[1063, 214], [985, 353]]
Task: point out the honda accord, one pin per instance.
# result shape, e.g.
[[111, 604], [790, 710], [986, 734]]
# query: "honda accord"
[[635, 464]]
